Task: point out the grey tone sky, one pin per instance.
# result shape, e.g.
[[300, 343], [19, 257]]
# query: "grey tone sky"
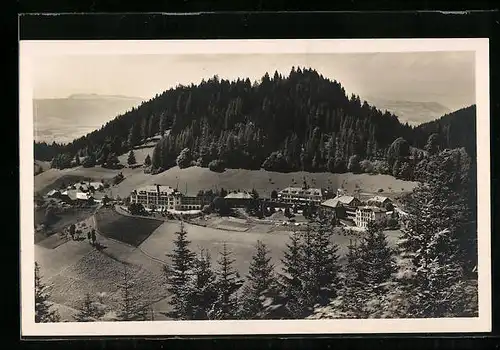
[[447, 78]]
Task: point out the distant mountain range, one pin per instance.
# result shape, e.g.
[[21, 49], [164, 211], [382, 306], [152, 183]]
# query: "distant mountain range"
[[411, 112], [64, 119]]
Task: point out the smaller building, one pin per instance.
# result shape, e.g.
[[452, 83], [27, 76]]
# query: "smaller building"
[[367, 214], [238, 199], [54, 194], [84, 196], [343, 206], [380, 201], [97, 186]]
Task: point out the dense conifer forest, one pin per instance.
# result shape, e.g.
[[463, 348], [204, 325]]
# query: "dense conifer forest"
[[303, 121]]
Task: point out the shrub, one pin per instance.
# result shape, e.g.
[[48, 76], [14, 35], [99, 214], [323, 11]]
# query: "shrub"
[[216, 166], [366, 166]]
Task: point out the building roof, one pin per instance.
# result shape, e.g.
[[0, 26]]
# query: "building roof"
[[238, 195], [337, 201], [96, 185], [332, 203], [300, 190], [378, 199], [83, 195], [53, 192], [373, 209], [156, 188]]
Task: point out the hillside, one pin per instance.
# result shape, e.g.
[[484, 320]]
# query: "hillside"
[[304, 115], [193, 179], [64, 119], [411, 112], [456, 129], [301, 122]]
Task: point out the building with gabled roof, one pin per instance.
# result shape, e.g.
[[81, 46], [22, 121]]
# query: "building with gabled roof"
[[367, 214], [301, 195]]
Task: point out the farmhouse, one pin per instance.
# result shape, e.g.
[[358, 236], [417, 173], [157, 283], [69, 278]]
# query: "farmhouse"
[[301, 195], [344, 207], [54, 194], [238, 199], [366, 214], [157, 197]]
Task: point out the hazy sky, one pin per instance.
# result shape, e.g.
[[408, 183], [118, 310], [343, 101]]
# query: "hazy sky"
[[443, 77]]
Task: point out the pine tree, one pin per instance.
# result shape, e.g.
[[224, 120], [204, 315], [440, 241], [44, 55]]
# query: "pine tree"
[[130, 307], [131, 158], [261, 283], [325, 266], [134, 135], [179, 273], [368, 276], [203, 292], [163, 124], [228, 283], [88, 312], [147, 161], [43, 307], [77, 160]]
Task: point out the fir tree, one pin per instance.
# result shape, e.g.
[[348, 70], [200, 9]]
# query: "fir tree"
[[130, 307], [368, 275], [131, 158], [134, 135], [228, 283], [203, 293], [147, 161], [43, 307], [88, 312], [261, 283], [163, 124], [77, 160], [179, 273]]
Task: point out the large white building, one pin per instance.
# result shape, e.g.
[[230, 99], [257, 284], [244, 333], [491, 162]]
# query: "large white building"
[[366, 214], [300, 195], [163, 198], [158, 197]]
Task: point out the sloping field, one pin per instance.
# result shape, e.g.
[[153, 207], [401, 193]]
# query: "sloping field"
[[195, 178], [242, 244], [52, 178], [127, 229], [98, 273], [139, 153]]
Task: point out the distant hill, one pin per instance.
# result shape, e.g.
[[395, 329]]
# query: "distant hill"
[[64, 119], [456, 129], [413, 113]]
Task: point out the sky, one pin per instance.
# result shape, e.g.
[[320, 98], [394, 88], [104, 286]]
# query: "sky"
[[447, 78]]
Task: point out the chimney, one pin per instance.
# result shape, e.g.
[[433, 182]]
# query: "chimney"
[[158, 188]]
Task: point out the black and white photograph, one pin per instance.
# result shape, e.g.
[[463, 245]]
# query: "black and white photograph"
[[286, 186]]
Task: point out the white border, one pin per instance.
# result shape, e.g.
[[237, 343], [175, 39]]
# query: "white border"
[[32, 49]]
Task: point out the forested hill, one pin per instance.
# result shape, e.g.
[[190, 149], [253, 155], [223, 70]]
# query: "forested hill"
[[456, 129], [299, 122]]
